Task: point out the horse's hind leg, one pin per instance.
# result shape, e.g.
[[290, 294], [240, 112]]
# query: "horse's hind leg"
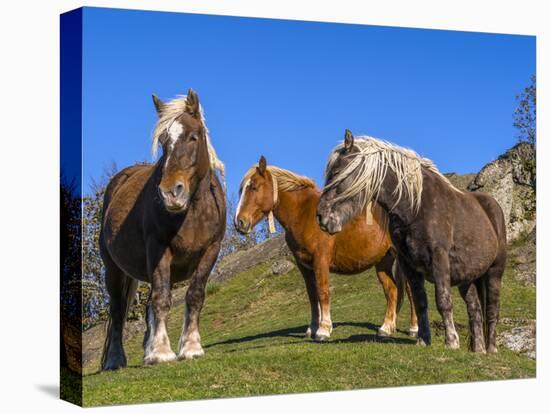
[[470, 296], [442, 279], [311, 288], [385, 277], [120, 288], [413, 327]]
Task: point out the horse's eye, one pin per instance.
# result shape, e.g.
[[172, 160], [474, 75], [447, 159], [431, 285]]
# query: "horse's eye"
[[253, 188], [193, 138]]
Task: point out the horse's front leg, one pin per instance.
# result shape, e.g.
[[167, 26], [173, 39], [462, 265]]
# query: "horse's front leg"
[[311, 288], [190, 341], [420, 301], [322, 277], [157, 344], [442, 279]]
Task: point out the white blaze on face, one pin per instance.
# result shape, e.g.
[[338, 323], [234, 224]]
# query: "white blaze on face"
[[174, 132], [243, 195]]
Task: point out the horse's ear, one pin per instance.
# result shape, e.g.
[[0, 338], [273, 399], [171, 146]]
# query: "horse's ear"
[[192, 106], [348, 140], [262, 166], [159, 105]]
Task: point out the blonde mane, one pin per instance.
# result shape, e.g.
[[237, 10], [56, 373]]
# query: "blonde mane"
[[170, 112], [370, 166], [285, 180]]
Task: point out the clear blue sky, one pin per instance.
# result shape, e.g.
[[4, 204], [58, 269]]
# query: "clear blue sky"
[[288, 89]]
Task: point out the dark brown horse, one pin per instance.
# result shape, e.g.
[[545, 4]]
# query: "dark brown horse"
[[442, 234], [162, 224], [363, 243]]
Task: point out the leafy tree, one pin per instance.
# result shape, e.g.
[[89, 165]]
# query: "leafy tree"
[[525, 120], [525, 115]]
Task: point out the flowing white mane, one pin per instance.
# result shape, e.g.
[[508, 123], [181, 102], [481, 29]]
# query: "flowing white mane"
[[170, 112], [369, 167]]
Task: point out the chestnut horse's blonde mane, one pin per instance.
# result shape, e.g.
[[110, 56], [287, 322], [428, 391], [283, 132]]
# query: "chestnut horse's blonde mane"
[[171, 111], [285, 180], [370, 165]]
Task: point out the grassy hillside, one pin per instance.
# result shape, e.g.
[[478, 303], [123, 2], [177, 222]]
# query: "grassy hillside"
[[252, 329]]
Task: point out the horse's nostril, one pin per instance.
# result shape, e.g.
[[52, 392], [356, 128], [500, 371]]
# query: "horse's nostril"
[[178, 189], [241, 224]]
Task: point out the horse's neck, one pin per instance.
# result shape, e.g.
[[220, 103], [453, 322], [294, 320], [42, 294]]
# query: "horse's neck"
[[290, 203], [386, 199]]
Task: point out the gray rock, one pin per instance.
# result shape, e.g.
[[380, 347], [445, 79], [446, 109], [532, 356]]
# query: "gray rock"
[[521, 339], [460, 181], [511, 181], [243, 260], [523, 254], [281, 267]]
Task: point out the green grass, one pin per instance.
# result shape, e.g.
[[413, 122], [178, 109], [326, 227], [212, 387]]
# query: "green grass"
[[252, 330]]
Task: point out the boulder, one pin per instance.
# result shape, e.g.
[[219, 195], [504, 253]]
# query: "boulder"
[[281, 267], [230, 265], [521, 339], [511, 180]]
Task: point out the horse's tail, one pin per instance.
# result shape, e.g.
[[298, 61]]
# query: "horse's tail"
[[481, 287], [400, 282], [128, 294]]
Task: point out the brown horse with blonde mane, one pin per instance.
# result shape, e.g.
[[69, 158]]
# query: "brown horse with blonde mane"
[[162, 224], [363, 243]]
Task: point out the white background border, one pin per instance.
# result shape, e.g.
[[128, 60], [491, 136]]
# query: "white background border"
[[29, 84]]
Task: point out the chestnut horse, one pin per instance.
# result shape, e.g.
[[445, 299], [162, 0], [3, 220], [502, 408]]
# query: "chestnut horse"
[[293, 199], [450, 237], [162, 224]]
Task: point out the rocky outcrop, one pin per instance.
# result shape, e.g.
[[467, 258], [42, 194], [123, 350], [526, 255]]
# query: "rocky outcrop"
[[461, 181], [243, 260], [521, 339], [511, 181], [523, 255]]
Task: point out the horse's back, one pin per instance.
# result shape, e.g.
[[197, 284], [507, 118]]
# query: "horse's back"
[[122, 219], [120, 178]]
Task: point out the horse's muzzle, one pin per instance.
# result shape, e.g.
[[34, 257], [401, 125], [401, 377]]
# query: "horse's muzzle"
[[330, 224], [175, 199], [242, 225]]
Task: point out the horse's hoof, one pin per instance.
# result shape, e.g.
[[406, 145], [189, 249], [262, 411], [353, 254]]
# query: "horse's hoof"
[[322, 335], [159, 357], [308, 333], [413, 332], [422, 343], [191, 352], [452, 345], [452, 342], [382, 333], [114, 361], [492, 349], [113, 365]]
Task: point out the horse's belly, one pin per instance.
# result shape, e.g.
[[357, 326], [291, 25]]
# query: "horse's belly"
[[469, 264]]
